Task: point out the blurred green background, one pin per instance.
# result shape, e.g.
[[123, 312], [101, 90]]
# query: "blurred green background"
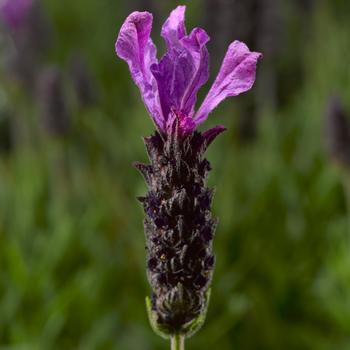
[[72, 250]]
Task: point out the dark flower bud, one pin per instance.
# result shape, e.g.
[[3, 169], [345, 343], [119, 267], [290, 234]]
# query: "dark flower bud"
[[179, 228], [160, 222], [209, 262], [54, 112], [152, 264], [196, 189], [84, 85], [338, 132], [200, 281], [207, 233]]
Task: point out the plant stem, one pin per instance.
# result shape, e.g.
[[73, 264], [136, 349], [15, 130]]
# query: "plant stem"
[[178, 342]]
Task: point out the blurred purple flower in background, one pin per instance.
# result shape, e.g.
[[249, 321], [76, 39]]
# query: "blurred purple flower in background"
[[83, 82], [28, 35], [14, 12], [338, 132], [52, 100], [169, 87]]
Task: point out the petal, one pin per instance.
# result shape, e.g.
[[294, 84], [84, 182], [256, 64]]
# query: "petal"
[[211, 134], [135, 46], [174, 27], [195, 43], [172, 75], [187, 125], [237, 75], [184, 124], [184, 68]]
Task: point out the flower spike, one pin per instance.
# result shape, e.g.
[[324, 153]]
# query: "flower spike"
[[179, 226]]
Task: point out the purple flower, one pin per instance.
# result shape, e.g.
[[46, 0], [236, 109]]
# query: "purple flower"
[[179, 225], [14, 12], [169, 87]]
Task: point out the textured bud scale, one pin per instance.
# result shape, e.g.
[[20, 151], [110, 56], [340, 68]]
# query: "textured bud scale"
[[179, 228]]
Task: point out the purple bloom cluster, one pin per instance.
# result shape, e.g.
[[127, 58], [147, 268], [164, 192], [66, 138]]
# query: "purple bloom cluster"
[[14, 12], [179, 225], [169, 87]]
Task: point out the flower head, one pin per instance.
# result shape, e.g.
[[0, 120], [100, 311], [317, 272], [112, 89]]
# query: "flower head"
[[169, 87], [179, 225], [14, 12]]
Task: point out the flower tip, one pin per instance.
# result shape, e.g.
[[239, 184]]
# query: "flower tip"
[[137, 19], [200, 35], [135, 24], [176, 16], [242, 48], [180, 9], [136, 16]]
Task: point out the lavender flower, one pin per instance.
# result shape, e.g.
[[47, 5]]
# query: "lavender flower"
[[338, 132], [54, 111], [14, 12], [179, 226], [83, 83], [27, 26]]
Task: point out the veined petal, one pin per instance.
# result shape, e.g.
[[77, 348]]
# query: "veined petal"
[[172, 74], [185, 125], [195, 44], [236, 75], [184, 68], [135, 46], [174, 27]]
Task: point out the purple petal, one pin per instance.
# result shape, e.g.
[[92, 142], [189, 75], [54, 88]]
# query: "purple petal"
[[237, 75], [184, 68], [172, 74], [186, 125], [195, 43], [13, 12], [211, 134], [135, 46], [174, 27]]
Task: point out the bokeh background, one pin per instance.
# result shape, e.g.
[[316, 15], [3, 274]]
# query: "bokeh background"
[[72, 255]]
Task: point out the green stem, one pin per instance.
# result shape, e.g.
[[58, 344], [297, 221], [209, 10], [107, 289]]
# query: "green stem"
[[178, 342]]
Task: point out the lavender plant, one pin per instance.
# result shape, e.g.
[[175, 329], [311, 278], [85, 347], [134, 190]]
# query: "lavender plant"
[[14, 12], [338, 132], [29, 37], [179, 225], [55, 116]]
